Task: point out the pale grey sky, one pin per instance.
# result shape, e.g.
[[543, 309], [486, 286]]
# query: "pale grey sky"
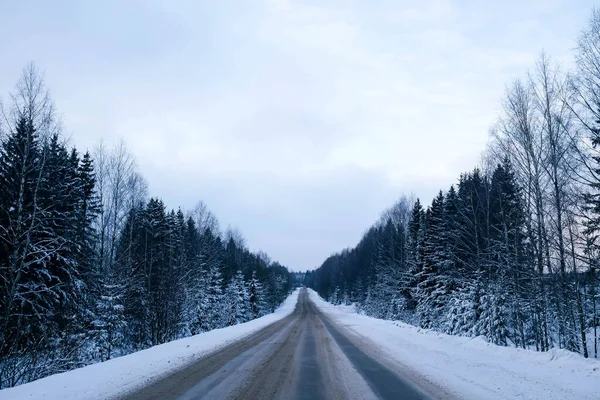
[[298, 121]]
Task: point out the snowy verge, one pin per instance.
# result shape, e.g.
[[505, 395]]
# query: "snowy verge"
[[124, 374], [472, 368]]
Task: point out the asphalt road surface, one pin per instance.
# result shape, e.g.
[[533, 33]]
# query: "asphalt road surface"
[[303, 356]]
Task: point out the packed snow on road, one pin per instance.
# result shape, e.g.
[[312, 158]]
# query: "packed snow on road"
[[128, 373], [468, 368], [472, 368]]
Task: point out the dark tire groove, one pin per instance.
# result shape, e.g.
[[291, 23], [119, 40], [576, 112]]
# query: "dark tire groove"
[[303, 356], [310, 384], [180, 381], [384, 383]]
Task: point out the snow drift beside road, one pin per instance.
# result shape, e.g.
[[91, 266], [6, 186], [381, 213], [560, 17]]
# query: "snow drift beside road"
[[124, 374], [472, 368]]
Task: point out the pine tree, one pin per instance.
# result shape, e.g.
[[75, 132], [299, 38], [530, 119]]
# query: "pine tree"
[[130, 271], [91, 270], [508, 251], [451, 230], [59, 196], [237, 300], [415, 252], [463, 310], [110, 324], [433, 287], [157, 270], [88, 209], [19, 171], [277, 287], [212, 316], [256, 297], [38, 272], [193, 280], [389, 269]]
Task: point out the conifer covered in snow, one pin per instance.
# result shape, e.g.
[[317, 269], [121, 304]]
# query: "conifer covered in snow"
[[90, 268], [511, 250]]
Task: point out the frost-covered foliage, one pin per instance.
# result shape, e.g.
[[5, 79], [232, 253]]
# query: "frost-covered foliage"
[[237, 301], [464, 266], [256, 297], [90, 269], [512, 251]]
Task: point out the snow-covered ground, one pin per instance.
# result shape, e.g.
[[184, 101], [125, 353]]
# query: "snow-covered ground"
[[471, 368], [121, 375]]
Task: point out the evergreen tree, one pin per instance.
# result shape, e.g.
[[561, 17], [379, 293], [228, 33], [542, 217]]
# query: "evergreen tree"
[[212, 316], [110, 324], [20, 164], [433, 287], [90, 270], [237, 300], [509, 258], [256, 297], [415, 252]]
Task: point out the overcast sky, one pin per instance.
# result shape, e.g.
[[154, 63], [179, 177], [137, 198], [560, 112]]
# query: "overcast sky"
[[298, 121]]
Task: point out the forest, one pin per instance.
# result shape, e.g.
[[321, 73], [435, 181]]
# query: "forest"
[[91, 267], [511, 251]]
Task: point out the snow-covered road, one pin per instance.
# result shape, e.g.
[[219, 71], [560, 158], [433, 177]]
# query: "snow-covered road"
[[471, 368], [304, 356], [125, 374], [312, 349]]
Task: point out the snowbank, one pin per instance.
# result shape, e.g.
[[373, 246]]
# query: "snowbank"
[[473, 368], [121, 375]]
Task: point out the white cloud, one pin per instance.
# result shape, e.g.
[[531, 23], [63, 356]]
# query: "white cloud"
[[297, 120]]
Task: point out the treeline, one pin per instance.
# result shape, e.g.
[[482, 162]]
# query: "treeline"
[[511, 251], [91, 268]]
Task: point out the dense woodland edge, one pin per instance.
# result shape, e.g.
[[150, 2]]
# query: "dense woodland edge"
[[91, 268], [511, 252]]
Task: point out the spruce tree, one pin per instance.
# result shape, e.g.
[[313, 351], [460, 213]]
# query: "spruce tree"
[[31, 291], [213, 315], [414, 249], [433, 287], [237, 299], [256, 297]]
